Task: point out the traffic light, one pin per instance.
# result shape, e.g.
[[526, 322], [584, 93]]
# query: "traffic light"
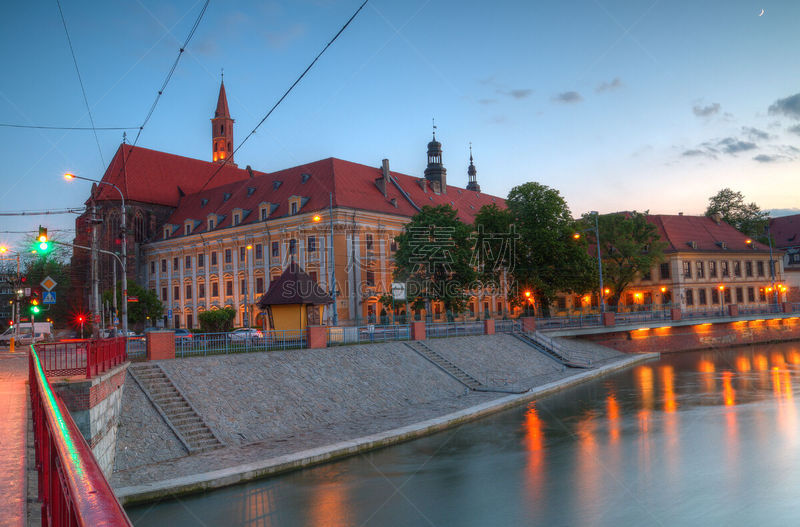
[[34, 306], [42, 241]]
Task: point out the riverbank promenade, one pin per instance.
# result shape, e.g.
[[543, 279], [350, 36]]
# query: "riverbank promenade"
[[13, 426]]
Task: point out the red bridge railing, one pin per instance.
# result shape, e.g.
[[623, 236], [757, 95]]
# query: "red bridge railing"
[[82, 357], [72, 487]]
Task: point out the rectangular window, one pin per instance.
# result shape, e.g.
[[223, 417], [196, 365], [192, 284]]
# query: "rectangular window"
[[242, 255], [701, 297], [210, 224], [714, 297], [712, 269], [701, 271], [259, 285], [294, 207], [259, 251], [687, 269], [163, 266], [188, 291], [739, 295], [242, 288], [187, 229], [201, 290], [664, 271], [629, 299], [187, 263], [748, 268], [214, 289], [276, 249], [229, 288], [235, 219], [292, 246], [175, 264], [760, 268], [724, 267], [727, 295], [163, 294], [153, 267], [369, 242], [500, 307], [737, 269], [370, 277], [228, 256], [689, 297], [177, 321], [176, 292], [263, 213], [312, 244], [189, 321], [201, 260], [561, 302], [213, 257], [751, 294], [762, 295]]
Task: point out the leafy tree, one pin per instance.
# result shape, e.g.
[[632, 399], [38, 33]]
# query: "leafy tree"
[[495, 237], [55, 265], [434, 258], [148, 305], [745, 217], [630, 246], [217, 320], [546, 259]]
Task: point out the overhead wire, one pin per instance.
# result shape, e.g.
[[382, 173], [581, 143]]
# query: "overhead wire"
[[285, 94], [81, 128], [80, 80]]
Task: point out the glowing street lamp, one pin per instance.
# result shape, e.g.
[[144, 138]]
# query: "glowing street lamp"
[[317, 218]]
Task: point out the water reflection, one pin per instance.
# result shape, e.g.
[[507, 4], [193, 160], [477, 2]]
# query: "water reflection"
[[696, 438]]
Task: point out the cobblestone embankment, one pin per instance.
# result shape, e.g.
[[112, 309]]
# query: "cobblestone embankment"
[[287, 409]]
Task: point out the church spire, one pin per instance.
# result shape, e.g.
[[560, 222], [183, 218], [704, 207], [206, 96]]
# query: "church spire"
[[472, 173], [436, 174], [222, 129]]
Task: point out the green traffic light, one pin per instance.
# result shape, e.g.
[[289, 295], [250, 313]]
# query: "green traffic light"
[[43, 246], [34, 309]]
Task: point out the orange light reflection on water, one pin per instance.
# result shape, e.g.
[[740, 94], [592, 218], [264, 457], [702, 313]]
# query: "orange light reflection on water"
[[728, 393], [668, 381], [644, 377], [534, 445], [329, 506], [612, 411]]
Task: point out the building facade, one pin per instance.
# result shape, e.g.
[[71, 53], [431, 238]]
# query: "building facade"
[[785, 232]]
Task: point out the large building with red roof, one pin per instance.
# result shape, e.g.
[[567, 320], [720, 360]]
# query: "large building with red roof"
[[190, 223], [708, 265], [785, 231]]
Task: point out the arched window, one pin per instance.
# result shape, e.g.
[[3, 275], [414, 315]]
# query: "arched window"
[[221, 129], [112, 230], [139, 229]]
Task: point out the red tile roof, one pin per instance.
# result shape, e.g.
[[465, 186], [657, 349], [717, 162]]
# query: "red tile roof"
[[353, 186], [294, 286], [786, 231], [160, 178], [679, 231]]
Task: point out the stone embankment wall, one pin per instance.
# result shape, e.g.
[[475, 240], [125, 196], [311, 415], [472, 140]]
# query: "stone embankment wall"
[[669, 339], [300, 399]]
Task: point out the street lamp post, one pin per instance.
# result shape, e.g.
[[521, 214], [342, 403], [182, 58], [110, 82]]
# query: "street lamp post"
[[772, 265], [247, 283], [68, 176], [596, 230]]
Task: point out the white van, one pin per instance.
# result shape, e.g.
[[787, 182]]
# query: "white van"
[[43, 332]]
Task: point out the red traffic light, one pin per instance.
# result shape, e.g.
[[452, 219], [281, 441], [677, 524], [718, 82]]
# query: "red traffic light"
[[80, 319]]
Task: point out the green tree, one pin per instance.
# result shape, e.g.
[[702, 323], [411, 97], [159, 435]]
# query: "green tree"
[[495, 237], [547, 260], [434, 256], [55, 265], [745, 217], [148, 305], [217, 320], [630, 246]]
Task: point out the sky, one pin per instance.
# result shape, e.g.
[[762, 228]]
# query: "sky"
[[620, 105]]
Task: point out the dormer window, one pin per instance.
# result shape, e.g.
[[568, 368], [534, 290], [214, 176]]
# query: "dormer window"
[[211, 223], [293, 208], [250, 190], [167, 231], [226, 196], [236, 217], [263, 213], [304, 178], [187, 229]]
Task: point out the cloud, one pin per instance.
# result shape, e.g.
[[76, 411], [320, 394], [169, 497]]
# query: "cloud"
[[487, 101], [754, 134], [789, 106], [764, 158], [706, 111], [282, 38], [568, 97], [732, 145], [695, 152], [794, 129], [520, 93], [609, 86]]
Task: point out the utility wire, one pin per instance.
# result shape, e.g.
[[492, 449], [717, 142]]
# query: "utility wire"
[[225, 162], [80, 80], [42, 212], [171, 71], [82, 128]]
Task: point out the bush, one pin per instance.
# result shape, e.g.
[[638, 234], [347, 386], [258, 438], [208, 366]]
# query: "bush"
[[217, 321]]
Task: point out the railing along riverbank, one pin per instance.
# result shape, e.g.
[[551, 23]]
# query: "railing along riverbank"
[[89, 357], [72, 487]]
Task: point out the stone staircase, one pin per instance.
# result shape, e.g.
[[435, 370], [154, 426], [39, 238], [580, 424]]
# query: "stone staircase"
[[174, 408], [445, 365], [549, 349]]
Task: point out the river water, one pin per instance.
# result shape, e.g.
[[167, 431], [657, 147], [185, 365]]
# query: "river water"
[[704, 438]]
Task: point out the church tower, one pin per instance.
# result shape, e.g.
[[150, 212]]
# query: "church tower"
[[472, 174], [436, 174], [222, 130]]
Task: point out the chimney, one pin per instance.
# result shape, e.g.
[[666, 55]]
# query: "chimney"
[[680, 214], [385, 178], [385, 169], [249, 170], [717, 217]]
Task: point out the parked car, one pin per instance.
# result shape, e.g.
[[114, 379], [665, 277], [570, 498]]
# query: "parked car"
[[182, 333], [245, 335]]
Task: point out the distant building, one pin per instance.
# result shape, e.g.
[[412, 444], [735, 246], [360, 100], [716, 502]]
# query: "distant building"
[[190, 223], [708, 264], [786, 235]]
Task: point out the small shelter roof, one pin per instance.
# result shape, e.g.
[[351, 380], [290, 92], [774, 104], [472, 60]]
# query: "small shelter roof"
[[294, 286]]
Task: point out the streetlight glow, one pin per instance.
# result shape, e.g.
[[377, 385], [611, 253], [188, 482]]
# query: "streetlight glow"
[[317, 218], [69, 176]]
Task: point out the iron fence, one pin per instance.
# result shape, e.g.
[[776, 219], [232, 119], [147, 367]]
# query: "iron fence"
[[507, 326], [453, 329], [579, 321], [199, 344], [631, 317], [88, 357], [339, 335]]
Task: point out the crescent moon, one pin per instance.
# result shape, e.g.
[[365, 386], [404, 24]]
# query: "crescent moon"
[[761, 13]]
